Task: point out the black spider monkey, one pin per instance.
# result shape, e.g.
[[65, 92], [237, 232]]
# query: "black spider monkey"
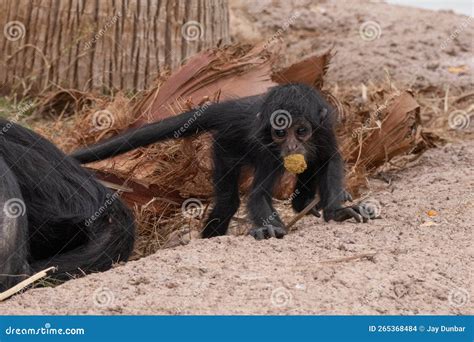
[[55, 213], [249, 131]]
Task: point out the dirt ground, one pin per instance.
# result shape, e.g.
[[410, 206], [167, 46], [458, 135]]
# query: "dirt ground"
[[416, 259], [371, 39]]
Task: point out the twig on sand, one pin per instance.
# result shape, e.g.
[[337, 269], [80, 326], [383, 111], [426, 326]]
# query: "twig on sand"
[[298, 216], [350, 258], [20, 286]]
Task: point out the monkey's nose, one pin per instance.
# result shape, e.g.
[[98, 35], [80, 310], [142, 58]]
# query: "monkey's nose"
[[293, 148]]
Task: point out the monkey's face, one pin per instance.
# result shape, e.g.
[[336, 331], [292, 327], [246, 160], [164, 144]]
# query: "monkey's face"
[[293, 139]]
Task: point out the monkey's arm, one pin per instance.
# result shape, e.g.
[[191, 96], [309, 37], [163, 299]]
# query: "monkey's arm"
[[332, 194], [263, 215]]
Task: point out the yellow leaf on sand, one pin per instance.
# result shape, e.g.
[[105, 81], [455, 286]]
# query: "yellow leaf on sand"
[[460, 69]]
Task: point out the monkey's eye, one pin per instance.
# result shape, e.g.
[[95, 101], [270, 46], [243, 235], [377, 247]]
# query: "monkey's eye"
[[302, 131], [280, 133]]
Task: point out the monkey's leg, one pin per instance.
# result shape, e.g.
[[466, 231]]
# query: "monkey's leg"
[[226, 192], [268, 223], [13, 231]]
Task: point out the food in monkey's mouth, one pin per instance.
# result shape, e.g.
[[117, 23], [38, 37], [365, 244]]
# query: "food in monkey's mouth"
[[295, 163]]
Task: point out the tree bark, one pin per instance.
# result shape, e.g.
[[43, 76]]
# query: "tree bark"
[[102, 45]]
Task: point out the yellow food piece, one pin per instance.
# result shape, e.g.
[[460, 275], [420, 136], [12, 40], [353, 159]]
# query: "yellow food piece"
[[295, 163], [432, 213]]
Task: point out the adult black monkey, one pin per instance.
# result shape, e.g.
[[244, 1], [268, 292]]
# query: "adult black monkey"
[[258, 131], [54, 213]]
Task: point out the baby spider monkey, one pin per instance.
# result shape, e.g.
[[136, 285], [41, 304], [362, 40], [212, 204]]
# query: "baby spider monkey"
[[258, 131]]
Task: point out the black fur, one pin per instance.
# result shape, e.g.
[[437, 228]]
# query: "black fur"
[[242, 133], [69, 220]]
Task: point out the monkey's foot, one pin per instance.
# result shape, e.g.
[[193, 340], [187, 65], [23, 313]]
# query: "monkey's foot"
[[267, 232], [346, 196], [342, 214]]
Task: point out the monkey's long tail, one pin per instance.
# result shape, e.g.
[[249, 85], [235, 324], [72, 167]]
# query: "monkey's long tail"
[[183, 125], [111, 241]]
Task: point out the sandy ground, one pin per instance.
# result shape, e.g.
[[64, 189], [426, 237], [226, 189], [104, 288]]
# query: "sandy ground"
[[371, 39], [422, 265]]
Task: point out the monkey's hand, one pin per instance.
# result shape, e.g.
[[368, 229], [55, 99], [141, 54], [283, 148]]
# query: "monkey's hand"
[[344, 213], [266, 232]]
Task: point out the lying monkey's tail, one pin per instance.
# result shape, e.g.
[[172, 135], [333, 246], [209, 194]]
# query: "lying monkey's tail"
[[183, 125], [110, 241]]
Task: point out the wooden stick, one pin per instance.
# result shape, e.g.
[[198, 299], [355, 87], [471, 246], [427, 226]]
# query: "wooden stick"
[[350, 258], [20, 286], [298, 216], [114, 186]]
